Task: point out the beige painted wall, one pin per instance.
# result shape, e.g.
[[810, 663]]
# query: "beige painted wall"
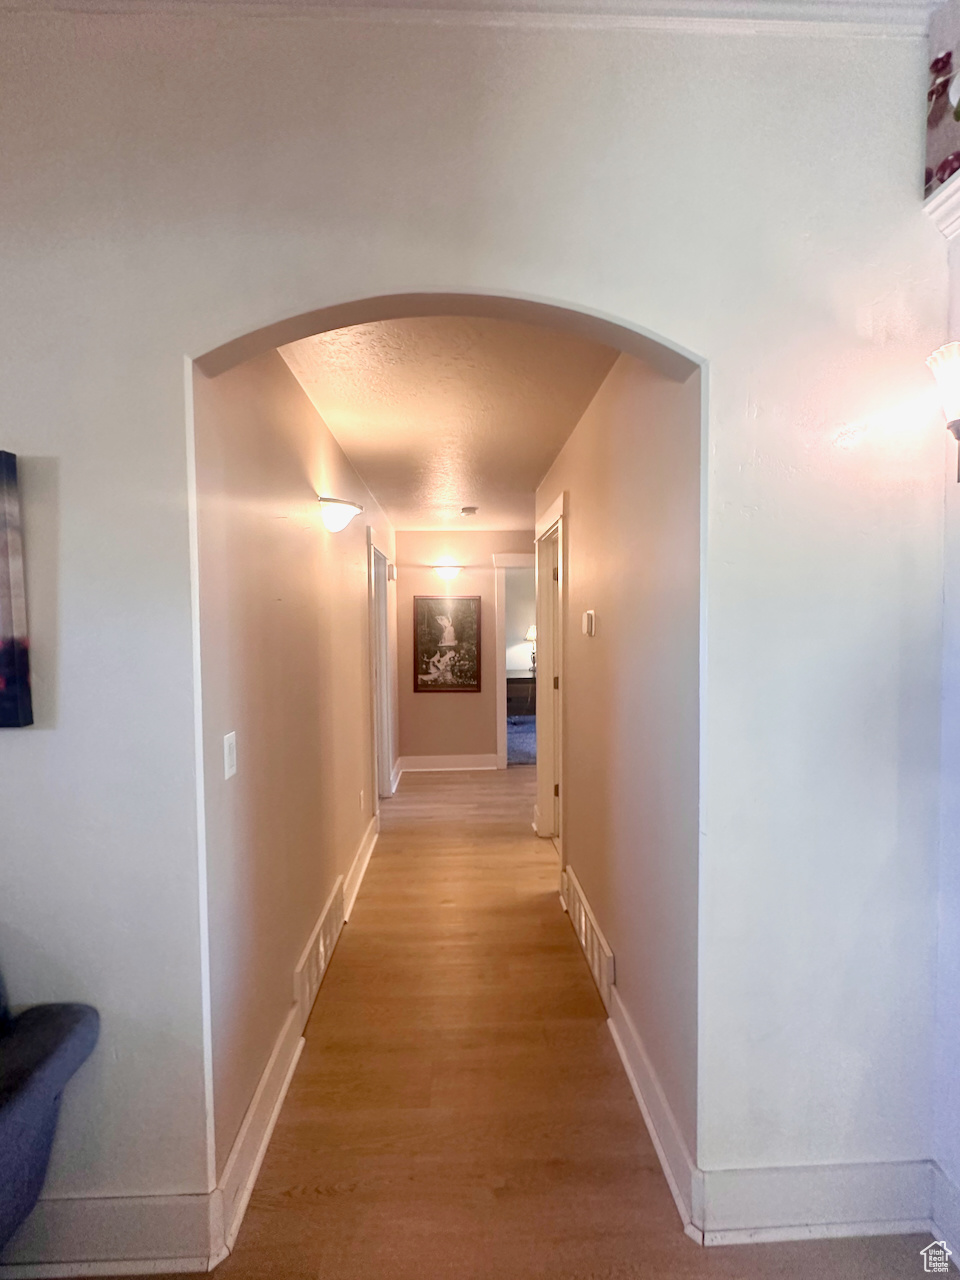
[[442, 724], [630, 797], [284, 635]]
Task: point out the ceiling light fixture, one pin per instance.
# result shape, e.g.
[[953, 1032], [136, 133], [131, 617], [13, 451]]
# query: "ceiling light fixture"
[[336, 513], [447, 569], [944, 364]]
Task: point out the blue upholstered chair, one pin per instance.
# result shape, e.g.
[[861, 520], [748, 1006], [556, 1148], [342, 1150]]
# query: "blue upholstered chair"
[[40, 1049]]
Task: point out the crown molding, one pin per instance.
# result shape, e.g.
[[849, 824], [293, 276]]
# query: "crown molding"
[[839, 18], [943, 207]]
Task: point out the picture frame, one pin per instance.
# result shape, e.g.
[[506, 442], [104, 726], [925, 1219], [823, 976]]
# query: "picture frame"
[[16, 703], [446, 644]]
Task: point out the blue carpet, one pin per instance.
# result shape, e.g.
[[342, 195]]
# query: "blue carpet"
[[521, 739]]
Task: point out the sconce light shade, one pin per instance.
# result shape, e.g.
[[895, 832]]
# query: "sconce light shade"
[[446, 569], [531, 634], [945, 367], [336, 513]]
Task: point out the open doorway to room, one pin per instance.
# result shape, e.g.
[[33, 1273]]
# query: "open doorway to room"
[[517, 638], [521, 662]]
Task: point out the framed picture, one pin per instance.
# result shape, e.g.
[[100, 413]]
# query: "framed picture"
[[16, 708], [446, 644]]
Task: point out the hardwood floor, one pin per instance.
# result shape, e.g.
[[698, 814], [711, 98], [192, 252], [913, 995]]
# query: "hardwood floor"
[[459, 1110]]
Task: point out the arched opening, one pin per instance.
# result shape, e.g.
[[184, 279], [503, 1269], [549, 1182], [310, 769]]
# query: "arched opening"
[[289, 613]]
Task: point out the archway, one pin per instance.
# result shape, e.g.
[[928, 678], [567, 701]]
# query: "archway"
[[615, 695]]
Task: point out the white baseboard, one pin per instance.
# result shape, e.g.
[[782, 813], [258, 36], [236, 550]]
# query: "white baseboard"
[[445, 764], [395, 777], [595, 946], [816, 1202], [243, 1164], [154, 1235], [354, 877], [946, 1211], [683, 1177], [150, 1267], [86, 1237]]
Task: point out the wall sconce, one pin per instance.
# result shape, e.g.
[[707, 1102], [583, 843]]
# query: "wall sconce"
[[531, 636], [336, 513], [945, 367], [446, 569]]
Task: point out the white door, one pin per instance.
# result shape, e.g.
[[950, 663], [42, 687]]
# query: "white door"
[[549, 820]]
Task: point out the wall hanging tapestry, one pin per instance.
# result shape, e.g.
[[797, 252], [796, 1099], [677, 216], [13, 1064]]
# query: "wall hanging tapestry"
[[446, 644]]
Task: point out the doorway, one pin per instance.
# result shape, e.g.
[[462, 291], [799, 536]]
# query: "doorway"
[[521, 663]]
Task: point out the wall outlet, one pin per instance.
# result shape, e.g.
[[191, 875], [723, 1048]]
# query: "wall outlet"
[[361, 799], [229, 755]]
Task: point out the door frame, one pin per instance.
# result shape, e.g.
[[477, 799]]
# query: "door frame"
[[551, 600], [381, 706]]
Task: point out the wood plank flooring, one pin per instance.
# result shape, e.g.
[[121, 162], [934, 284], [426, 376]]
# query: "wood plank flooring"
[[459, 1112]]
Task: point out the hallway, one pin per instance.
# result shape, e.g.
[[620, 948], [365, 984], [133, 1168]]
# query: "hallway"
[[459, 1110]]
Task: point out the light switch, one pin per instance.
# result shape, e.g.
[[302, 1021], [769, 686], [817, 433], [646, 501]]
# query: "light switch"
[[229, 755], [589, 625]]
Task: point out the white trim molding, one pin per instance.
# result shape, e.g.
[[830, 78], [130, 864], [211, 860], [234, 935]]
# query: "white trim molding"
[[904, 19], [446, 764], [943, 207], [553, 514], [744, 1206], [683, 1177], [395, 777], [514, 559], [180, 1234], [946, 1210], [243, 1164], [358, 869]]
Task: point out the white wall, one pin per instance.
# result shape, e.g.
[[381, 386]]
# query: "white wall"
[[172, 181], [630, 790], [946, 1110]]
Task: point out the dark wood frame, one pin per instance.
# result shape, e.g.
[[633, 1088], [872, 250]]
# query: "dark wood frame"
[[417, 688]]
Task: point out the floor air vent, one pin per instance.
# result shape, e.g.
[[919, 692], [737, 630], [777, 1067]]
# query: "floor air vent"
[[316, 955], [594, 944]]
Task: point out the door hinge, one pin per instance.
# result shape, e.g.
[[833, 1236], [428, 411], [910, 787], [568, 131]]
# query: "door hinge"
[[556, 788], [556, 682], [556, 575]]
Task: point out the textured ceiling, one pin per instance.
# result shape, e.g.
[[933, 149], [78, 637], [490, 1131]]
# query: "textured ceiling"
[[437, 413]]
